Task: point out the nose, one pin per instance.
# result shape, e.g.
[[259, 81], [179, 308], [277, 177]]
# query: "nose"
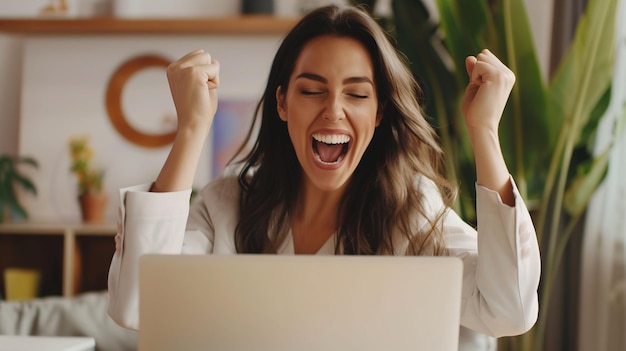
[[333, 111]]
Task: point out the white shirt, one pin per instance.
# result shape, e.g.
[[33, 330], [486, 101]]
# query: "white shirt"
[[500, 284]]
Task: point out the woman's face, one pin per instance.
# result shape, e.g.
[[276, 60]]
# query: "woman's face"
[[331, 109]]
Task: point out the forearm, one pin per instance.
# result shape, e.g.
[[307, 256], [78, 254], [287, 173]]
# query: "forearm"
[[193, 82], [491, 169], [179, 169]]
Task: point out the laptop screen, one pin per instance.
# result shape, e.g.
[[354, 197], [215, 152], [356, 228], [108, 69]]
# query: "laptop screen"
[[280, 302]]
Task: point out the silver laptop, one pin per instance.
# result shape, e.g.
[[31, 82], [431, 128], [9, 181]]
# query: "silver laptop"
[[304, 303]]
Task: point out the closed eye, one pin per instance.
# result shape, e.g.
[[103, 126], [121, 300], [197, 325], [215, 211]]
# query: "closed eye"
[[358, 96], [311, 92]]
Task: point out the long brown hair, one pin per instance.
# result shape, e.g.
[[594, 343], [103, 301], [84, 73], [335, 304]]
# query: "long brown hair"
[[381, 199]]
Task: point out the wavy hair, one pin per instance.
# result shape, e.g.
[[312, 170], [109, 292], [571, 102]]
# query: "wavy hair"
[[382, 198]]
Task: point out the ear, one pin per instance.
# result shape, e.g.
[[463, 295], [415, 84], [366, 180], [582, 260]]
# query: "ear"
[[379, 113], [379, 117], [280, 104]]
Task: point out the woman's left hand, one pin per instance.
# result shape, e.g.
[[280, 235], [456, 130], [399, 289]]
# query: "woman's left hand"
[[487, 92]]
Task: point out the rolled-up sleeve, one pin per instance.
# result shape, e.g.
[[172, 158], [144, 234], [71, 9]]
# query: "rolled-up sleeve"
[[148, 223], [502, 265], [166, 223]]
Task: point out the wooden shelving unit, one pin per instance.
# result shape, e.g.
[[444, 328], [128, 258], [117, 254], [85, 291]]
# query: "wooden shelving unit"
[[241, 25], [63, 247]]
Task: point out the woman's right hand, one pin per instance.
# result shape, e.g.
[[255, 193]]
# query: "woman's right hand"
[[193, 81]]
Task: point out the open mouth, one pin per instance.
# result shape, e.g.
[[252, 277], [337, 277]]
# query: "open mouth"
[[330, 149]]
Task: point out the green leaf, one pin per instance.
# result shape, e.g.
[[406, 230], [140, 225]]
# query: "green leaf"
[[27, 160], [464, 23], [11, 177], [584, 185], [439, 65], [582, 78], [9, 199], [25, 183], [587, 134], [418, 39], [576, 89], [524, 132], [586, 70], [502, 26]]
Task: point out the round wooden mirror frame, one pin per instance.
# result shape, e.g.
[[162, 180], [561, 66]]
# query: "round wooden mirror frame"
[[114, 102]]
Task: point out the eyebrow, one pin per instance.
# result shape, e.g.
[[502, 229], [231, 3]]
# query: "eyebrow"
[[317, 77]]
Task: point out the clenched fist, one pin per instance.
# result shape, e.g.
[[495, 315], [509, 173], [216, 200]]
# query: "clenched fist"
[[193, 83]]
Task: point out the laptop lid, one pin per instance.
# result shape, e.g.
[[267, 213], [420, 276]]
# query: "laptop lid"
[[305, 303]]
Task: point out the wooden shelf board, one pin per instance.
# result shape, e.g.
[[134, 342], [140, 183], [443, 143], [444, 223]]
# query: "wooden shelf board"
[[58, 228], [242, 25]]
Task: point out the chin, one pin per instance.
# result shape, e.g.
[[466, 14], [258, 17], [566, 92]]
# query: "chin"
[[329, 183]]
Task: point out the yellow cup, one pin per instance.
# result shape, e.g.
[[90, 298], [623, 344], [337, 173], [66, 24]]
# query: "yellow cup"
[[21, 283]]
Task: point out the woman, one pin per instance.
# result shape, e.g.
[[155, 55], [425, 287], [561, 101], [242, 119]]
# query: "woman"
[[344, 163]]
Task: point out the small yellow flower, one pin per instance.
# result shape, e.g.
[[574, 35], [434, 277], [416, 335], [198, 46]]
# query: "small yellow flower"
[[89, 177]]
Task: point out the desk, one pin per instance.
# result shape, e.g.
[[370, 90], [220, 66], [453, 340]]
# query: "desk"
[[47, 343]]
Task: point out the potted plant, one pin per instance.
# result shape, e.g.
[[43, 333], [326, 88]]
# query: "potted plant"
[[10, 177], [547, 131], [92, 199]]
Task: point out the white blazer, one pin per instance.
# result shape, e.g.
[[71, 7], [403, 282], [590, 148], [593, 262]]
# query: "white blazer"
[[501, 259]]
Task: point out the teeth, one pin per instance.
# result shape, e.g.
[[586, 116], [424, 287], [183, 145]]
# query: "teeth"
[[328, 163], [331, 138]]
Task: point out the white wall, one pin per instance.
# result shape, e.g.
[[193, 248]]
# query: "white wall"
[[10, 86], [64, 84]]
